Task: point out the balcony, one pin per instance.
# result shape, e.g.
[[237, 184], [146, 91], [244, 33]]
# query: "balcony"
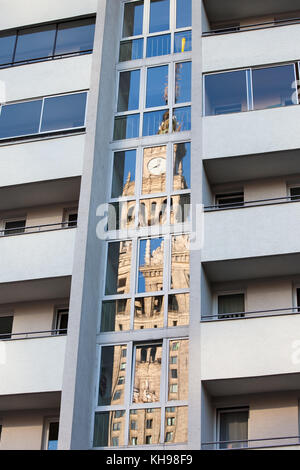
[[32, 365]]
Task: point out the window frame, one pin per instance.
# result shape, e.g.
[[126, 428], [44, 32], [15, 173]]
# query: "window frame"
[[217, 294], [46, 430], [219, 411]]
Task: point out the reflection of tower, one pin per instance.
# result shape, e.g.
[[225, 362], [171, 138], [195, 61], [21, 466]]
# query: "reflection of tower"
[[180, 278], [147, 374], [152, 270]]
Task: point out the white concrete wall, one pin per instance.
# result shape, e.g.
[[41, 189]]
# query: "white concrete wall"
[[37, 255], [32, 365], [252, 132], [253, 231], [251, 48], [16, 13]]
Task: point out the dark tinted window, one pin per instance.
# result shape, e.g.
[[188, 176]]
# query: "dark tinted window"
[[35, 43], [75, 36], [127, 127], [6, 327], [295, 193], [64, 112], [159, 15], [16, 226], [133, 19], [53, 436], [131, 50], [7, 45], [274, 87], [129, 91], [20, 119], [226, 93]]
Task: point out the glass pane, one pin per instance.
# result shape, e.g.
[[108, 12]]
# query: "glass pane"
[[183, 82], [154, 170], [148, 312], [180, 273], [183, 13], [157, 86], [144, 426], [17, 226], [118, 268], [64, 112], [147, 373], [6, 324], [159, 15], [230, 304], [35, 43], [226, 93], [295, 193], [123, 183], [75, 36], [121, 215], [153, 211], [178, 310], [109, 429], [182, 166], [53, 436], [158, 45], [182, 119], [156, 122], [129, 91], [133, 19], [176, 425], [20, 119], [178, 369], [183, 41], [7, 46], [274, 87], [234, 427], [113, 366], [131, 50], [151, 265], [115, 315], [180, 208], [127, 127]]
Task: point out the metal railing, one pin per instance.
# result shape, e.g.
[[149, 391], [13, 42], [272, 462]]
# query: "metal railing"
[[36, 229], [44, 58], [251, 27], [32, 335], [251, 314], [244, 444], [257, 202]]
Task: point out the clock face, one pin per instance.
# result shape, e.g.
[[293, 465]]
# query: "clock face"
[[157, 166]]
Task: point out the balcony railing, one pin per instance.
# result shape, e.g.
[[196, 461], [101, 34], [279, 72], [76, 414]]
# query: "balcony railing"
[[32, 335], [250, 314], [254, 203], [37, 228], [251, 27], [253, 443]]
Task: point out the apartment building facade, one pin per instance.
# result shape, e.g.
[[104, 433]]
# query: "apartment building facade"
[[150, 185]]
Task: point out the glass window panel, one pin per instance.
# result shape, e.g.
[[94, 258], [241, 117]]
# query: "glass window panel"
[[178, 310], [229, 304], [158, 45], [131, 50], [138, 425], [295, 193], [6, 324], [121, 215], [156, 122], [178, 387], [15, 226], [123, 183], [153, 211], [183, 82], [75, 36], [234, 427], [182, 166], [274, 87], [159, 15], [64, 112], [35, 43], [183, 41], [182, 119], [180, 208], [127, 127], [157, 86], [180, 271], [129, 91], [20, 119], [7, 46], [110, 393], [183, 13], [148, 312], [133, 19], [226, 93], [147, 371], [151, 261], [118, 268], [230, 200], [53, 436], [115, 315], [106, 433], [154, 170], [176, 425]]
